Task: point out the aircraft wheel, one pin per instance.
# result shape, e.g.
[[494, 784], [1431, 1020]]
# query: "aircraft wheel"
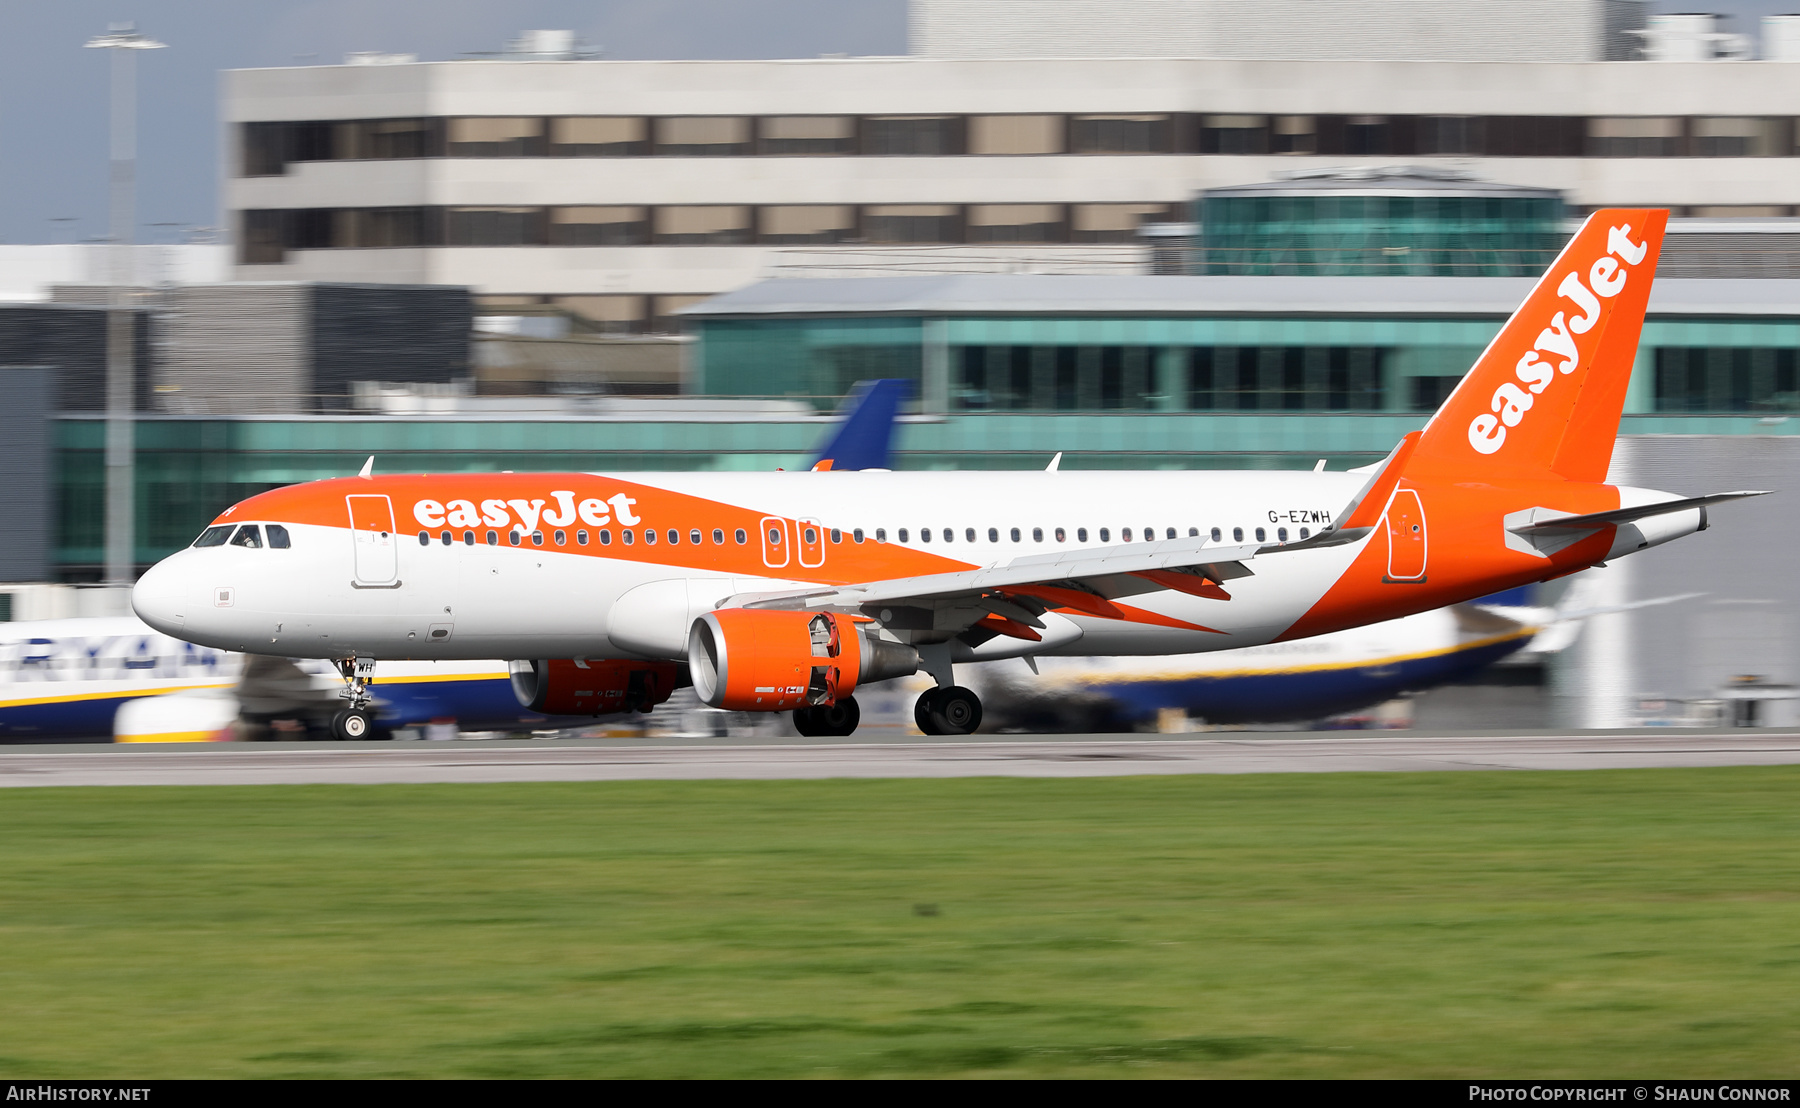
[[805, 722], [922, 712], [838, 719], [954, 711], [352, 724]]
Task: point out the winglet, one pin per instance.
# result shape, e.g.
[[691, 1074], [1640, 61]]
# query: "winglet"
[[1054, 463], [368, 467]]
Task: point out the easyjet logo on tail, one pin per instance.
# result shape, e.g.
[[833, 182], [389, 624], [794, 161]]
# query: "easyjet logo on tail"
[[1605, 278], [560, 510]]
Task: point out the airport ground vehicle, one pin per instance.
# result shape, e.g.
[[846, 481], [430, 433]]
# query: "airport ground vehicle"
[[785, 591]]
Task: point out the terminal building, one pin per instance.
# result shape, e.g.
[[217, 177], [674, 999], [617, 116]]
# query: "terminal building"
[[626, 190]]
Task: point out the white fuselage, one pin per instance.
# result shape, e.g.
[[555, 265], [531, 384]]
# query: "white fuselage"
[[487, 601]]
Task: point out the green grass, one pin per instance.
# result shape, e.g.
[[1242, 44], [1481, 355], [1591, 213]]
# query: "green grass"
[[1454, 924]]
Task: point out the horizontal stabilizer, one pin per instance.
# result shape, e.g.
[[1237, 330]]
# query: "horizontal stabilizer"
[[1593, 521]]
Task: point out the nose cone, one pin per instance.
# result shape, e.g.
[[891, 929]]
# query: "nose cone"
[[159, 600]]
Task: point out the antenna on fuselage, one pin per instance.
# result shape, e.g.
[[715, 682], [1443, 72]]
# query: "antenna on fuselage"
[[368, 467]]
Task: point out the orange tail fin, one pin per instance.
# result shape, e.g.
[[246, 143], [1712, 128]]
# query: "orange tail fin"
[[1544, 398]]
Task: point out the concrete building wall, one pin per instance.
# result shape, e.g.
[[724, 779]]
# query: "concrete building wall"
[[1745, 622], [1189, 88], [1459, 30]]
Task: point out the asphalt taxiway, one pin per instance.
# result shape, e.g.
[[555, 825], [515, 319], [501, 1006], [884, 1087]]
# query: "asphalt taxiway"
[[997, 756]]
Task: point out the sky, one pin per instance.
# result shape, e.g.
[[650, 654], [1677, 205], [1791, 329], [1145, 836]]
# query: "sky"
[[53, 93]]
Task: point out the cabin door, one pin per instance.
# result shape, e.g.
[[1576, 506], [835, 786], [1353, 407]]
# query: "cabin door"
[[372, 532]]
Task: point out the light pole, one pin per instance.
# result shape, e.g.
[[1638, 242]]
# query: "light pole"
[[121, 556]]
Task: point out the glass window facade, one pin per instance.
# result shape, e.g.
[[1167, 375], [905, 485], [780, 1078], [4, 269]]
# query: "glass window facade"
[[1474, 236]]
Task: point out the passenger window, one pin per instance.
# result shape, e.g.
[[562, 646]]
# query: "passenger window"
[[1261, 535], [1081, 534], [856, 535], [740, 536], [447, 537], [837, 536], [1170, 533], [649, 536], [213, 536], [626, 535], [493, 538], [514, 537], [1060, 537], [1037, 534], [249, 536], [1193, 532], [774, 536], [1106, 535], [881, 534], [811, 536], [581, 537], [562, 538], [468, 538], [1305, 534], [1015, 534], [993, 534], [949, 535], [1215, 535], [1125, 534], [604, 536], [537, 538], [924, 534], [968, 534], [902, 534], [718, 537], [424, 538], [1281, 533], [674, 537], [278, 537]]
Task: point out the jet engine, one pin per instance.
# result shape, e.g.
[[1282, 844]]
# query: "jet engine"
[[592, 686], [757, 660]]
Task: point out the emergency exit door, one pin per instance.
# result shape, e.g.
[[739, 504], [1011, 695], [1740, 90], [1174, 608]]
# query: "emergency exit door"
[[372, 533], [1406, 537]]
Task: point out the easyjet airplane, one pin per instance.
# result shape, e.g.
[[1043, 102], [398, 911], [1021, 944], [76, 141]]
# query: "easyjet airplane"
[[786, 591]]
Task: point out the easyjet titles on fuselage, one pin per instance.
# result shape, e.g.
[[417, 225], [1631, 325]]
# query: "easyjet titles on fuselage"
[[561, 510]]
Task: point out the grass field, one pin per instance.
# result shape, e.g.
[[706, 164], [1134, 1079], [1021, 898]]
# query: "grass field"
[[1635, 923]]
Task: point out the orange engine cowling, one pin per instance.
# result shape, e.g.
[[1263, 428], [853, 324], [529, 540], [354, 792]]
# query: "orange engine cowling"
[[756, 660], [592, 686]]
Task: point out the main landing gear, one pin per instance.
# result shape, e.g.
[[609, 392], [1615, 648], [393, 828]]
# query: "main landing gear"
[[950, 710], [357, 720], [828, 720]]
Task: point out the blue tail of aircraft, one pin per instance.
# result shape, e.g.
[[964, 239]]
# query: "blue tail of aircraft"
[[862, 437]]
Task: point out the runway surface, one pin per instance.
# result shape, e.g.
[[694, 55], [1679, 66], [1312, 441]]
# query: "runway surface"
[[1022, 756]]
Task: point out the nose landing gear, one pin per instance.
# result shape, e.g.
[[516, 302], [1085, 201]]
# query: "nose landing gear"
[[357, 720], [950, 710]]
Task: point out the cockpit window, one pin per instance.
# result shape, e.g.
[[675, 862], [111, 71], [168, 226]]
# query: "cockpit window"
[[249, 535], [278, 537], [213, 536]]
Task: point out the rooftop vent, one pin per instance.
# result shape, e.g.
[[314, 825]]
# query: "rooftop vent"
[[548, 46], [1692, 37], [376, 57]]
